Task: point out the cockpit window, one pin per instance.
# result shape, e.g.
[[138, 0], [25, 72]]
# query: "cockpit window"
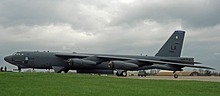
[[18, 53], [13, 53]]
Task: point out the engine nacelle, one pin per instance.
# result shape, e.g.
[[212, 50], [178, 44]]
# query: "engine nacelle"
[[81, 62], [122, 65]]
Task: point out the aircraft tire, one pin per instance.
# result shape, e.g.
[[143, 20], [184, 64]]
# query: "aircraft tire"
[[66, 71], [117, 74], [124, 73], [175, 75], [121, 73]]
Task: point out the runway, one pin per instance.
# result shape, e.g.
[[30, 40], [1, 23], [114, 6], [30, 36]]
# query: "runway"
[[195, 78]]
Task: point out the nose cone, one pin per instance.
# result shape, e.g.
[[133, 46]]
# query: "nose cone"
[[8, 59]]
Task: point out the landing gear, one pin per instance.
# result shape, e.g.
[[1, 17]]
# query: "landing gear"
[[124, 73], [58, 69], [121, 73], [19, 68], [66, 70], [175, 75], [63, 71]]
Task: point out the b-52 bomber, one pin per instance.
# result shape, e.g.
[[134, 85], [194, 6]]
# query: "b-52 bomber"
[[167, 58]]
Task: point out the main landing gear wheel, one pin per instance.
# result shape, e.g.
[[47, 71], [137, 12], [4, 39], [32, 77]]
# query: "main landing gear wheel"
[[117, 74], [121, 73], [66, 70], [175, 75], [124, 73]]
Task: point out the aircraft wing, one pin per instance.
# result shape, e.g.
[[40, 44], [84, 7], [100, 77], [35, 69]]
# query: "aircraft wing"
[[178, 61], [173, 63], [72, 55], [114, 57], [107, 57], [186, 64], [195, 66], [149, 61], [162, 62]]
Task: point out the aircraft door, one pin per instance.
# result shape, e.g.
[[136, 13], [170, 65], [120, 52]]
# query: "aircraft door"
[[26, 59]]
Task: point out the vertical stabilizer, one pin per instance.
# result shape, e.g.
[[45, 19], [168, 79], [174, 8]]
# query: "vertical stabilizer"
[[173, 46]]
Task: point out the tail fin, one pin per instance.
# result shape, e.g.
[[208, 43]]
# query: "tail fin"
[[173, 46]]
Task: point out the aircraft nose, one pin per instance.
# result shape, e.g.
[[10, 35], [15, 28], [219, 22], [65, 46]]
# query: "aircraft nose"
[[8, 58]]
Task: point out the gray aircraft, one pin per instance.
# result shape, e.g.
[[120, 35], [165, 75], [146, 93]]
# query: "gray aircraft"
[[167, 58]]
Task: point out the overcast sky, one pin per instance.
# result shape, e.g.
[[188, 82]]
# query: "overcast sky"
[[110, 26]]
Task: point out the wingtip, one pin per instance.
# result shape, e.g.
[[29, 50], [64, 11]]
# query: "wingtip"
[[213, 69], [197, 62]]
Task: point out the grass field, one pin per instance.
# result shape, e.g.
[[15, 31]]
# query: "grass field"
[[52, 84]]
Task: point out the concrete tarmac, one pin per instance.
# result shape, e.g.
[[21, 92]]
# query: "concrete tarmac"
[[194, 78]]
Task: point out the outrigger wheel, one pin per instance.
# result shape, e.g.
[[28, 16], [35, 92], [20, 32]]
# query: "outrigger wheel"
[[175, 75]]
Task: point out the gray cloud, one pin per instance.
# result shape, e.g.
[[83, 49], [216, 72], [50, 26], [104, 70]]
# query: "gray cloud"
[[28, 12], [116, 26], [190, 13]]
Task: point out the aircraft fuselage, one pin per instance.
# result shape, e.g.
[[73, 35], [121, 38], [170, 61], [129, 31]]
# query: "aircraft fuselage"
[[45, 60]]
